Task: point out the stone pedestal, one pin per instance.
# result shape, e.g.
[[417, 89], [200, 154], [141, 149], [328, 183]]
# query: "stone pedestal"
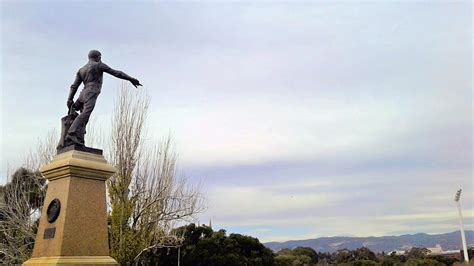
[[79, 234]]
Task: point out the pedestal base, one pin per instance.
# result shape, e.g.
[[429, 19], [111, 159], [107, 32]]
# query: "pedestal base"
[[71, 260], [73, 225]]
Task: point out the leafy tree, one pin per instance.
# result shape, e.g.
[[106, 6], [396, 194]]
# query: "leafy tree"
[[22, 196], [364, 253], [418, 253], [285, 251], [203, 246], [302, 260], [284, 260], [362, 263], [393, 259], [342, 256], [305, 251], [324, 257], [444, 260], [297, 256], [422, 262]]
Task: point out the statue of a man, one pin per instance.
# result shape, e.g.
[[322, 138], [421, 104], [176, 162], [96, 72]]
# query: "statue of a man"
[[91, 75]]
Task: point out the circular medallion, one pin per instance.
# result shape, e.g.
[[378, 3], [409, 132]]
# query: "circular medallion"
[[53, 210]]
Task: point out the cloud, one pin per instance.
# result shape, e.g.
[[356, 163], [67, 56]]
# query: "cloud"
[[353, 202], [262, 201], [426, 216]]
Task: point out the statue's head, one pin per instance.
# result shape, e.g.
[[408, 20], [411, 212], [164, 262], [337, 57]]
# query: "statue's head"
[[95, 55]]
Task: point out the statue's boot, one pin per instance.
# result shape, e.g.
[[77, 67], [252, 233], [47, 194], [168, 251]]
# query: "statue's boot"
[[73, 139]]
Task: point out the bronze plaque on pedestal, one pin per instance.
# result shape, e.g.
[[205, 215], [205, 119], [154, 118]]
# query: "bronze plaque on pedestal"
[[49, 233]]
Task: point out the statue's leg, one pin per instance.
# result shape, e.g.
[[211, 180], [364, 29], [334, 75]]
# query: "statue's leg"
[[81, 135], [79, 125]]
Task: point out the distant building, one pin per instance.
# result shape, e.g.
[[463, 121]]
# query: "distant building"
[[399, 251], [453, 254], [436, 250]]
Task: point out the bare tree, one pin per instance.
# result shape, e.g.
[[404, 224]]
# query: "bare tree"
[[147, 197], [43, 153], [163, 199], [23, 199]]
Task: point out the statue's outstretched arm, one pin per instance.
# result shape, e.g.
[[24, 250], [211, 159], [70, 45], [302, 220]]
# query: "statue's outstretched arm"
[[119, 74]]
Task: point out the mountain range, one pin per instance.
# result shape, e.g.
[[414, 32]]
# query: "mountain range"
[[447, 241]]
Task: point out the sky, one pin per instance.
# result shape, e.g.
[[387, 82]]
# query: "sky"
[[298, 119]]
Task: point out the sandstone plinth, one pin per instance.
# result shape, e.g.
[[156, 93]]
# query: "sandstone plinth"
[[79, 235]]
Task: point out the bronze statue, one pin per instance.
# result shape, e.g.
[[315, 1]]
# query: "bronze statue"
[[74, 125]]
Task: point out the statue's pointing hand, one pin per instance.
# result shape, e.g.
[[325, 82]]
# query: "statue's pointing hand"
[[135, 83]]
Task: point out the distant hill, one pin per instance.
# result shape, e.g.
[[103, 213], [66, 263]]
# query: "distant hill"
[[448, 241]]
